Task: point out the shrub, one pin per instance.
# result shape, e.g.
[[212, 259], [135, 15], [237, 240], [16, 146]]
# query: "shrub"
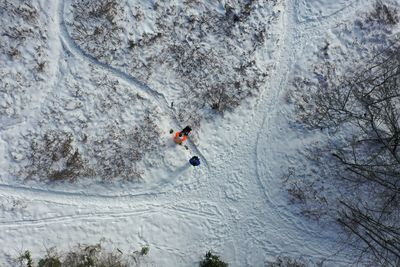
[[211, 260], [144, 251], [56, 157], [50, 261], [26, 259], [119, 151], [384, 14], [83, 256]]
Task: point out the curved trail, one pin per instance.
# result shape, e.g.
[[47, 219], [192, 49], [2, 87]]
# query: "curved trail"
[[56, 196], [281, 221], [281, 217], [294, 43], [72, 46], [128, 193], [286, 62]]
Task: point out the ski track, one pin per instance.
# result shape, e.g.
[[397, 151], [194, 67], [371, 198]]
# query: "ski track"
[[56, 196], [77, 199], [276, 88], [114, 215]]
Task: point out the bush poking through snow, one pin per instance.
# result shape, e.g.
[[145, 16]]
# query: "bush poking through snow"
[[50, 260], [91, 256], [119, 151], [24, 40], [384, 13], [58, 156], [144, 250], [55, 156], [25, 259], [211, 260], [96, 21]]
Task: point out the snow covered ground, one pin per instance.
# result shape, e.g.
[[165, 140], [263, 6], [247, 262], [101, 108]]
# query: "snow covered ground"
[[234, 203]]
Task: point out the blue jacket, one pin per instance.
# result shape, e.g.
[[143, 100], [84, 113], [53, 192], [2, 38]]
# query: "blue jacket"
[[195, 161]]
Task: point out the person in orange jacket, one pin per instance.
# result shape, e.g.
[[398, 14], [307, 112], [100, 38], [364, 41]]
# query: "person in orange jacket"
[[181, 136]]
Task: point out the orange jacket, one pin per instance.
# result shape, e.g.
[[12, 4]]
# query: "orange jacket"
[[179, 139]]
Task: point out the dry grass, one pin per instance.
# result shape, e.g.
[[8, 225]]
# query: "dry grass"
[[211, 78], [384, 13], [55, 157]]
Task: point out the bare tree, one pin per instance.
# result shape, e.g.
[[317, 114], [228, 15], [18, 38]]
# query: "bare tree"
[[365, 108]]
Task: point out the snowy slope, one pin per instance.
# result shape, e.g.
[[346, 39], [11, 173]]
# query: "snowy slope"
[[234, 203]]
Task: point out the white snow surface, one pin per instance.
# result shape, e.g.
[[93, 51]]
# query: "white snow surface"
[[234, 203]]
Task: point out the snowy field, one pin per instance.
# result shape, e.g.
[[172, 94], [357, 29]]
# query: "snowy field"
[[89, 93]]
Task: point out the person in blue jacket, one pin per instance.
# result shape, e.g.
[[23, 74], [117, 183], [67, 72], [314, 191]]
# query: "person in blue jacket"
[[194, 161]]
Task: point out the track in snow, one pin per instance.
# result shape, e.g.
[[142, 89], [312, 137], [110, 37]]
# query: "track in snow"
[[297, 34], [293, 45], [148, 208]]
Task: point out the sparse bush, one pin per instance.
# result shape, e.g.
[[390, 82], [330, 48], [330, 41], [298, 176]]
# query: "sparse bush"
[[55, 156], [220, 98], [384, 14], [84, 256], [26, 259], [211, 260], [144, 251], [220, 88], [59, 156], [41, 66], [97, 22], [119, 151], [50, 260]]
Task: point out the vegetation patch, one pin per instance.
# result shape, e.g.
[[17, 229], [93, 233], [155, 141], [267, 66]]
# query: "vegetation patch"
[[384, 12], [24, 41], [56, 157], [185, 44], [212, 260], [116, 154], [119, 151], [85, 256]]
